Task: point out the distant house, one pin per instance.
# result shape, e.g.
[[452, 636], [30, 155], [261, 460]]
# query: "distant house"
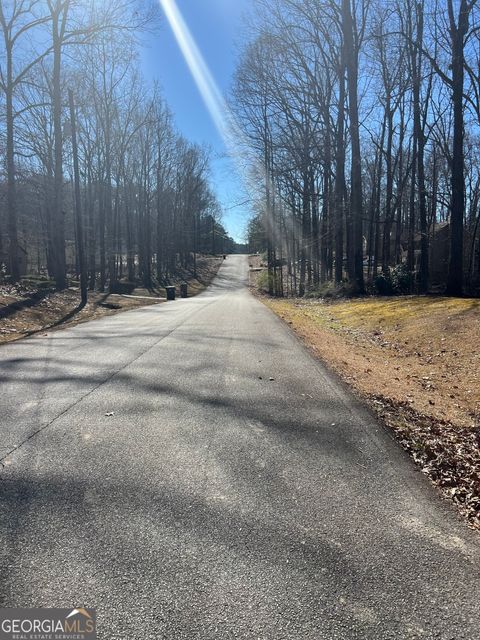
[[438, 251]]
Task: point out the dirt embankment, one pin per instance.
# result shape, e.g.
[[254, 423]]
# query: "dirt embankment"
[[26, 309], [416, 361]]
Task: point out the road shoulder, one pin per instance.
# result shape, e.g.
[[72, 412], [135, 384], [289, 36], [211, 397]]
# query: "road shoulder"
[[442, 438]]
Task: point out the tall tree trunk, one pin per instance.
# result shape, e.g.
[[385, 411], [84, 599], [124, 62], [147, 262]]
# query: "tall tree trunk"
[[457, 32], [305, 235], [378, 193], [268, 205], [317, 251], [91, 230], [109, 221], [340, 174], [351, 58], [78, 206], [412, 207], [13, 255], [326, 202], [129, 232], [387, 240], [58, 245], [420, 138], [101, 234]]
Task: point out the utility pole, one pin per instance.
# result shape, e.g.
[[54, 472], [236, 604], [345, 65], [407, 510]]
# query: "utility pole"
[[78, 205]]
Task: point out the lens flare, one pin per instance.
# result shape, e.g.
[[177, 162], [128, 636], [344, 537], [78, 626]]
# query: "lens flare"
[[211, 95], [251, 170]]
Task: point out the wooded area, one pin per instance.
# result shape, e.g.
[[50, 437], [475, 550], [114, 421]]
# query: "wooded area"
[[364, 116], [96, 179]]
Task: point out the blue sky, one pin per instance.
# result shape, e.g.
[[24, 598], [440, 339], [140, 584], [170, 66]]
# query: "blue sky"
[[216, 25]]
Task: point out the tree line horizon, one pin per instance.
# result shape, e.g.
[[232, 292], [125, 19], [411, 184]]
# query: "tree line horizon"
[[361, 119], [364, 117], [97, 181]]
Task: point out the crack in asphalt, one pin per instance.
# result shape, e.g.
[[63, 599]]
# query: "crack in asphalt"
[[100, 384]]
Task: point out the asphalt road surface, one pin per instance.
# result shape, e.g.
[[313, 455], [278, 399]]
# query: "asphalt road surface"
[[237, 491]]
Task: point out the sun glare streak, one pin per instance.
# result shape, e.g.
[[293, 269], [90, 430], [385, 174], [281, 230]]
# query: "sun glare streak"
[[211, 95], [252, 171]]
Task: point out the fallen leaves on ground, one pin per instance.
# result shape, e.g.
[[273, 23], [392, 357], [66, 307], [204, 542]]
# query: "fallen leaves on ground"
[[447, 453]]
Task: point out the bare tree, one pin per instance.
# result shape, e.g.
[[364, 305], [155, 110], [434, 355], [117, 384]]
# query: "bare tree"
[[17, 19]]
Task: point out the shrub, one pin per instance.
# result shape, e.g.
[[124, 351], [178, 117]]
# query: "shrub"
[[264, 280], [397, 281], [402, 279], [382, 284]]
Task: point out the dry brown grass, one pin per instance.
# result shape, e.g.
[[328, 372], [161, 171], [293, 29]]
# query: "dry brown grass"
[[424, 351], [416, 360]]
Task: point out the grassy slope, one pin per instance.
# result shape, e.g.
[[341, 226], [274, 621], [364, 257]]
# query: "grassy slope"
[[416, 360]]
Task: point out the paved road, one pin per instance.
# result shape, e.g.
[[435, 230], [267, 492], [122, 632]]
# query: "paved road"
[[216, 503]]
